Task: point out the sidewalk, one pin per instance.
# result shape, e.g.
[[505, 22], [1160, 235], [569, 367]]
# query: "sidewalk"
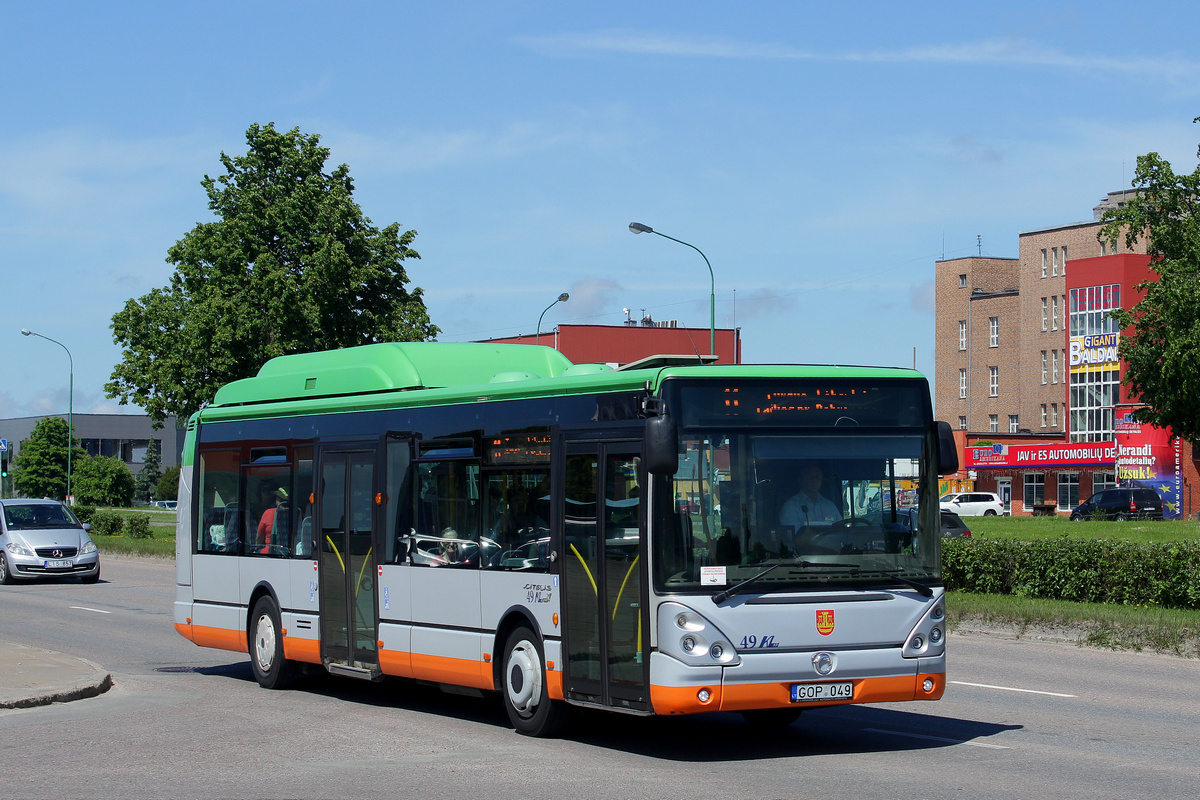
[[30, 676]]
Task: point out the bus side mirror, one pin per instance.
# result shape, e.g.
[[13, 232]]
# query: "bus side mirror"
[[947, 462], [661, 450]]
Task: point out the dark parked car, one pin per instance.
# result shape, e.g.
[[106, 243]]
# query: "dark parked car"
[[952, 525], [1120, 504]]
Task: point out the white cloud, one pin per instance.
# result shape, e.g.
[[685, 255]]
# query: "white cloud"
[[1015, 52]]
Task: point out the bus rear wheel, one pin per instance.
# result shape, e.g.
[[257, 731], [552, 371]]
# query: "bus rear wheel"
[[271, 669], [523, 687]]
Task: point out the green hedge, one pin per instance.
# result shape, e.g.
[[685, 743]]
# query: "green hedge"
[[106, 523], [1089, 571]]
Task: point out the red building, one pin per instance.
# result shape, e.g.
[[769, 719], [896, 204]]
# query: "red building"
[[623, 344], [1027, 363]]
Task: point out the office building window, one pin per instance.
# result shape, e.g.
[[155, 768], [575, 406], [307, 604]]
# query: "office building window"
[[1043, 413], [1043, 262], [993, 381], [962, 384], [1068, 490], [1045, 314], [1054, 313], [1054, 415], [962, 281], [962, 423], [1054, 366], [1094, 388], [993, 331], [1045, 367], [994, 423], [1103, 248], [1063, 269], [1035, 489], [962, 334], [1014, 423], [1054, 261]]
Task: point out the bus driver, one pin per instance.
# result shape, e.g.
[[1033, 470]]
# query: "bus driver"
[[808, 507]]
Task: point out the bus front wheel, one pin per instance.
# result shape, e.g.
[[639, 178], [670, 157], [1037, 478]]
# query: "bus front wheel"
[[529, 707], [271, 669]]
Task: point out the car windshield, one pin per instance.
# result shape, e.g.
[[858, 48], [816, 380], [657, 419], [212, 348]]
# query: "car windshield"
[[38, 515], [821, 509]]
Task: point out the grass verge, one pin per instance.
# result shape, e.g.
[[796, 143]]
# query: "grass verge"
[[1160, 630]]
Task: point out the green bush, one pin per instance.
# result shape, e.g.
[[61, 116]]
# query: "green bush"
[[106, 523], [1165, 574], [83, 512], [138, 527]]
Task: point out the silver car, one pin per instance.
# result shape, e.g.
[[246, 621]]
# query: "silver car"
[[43, 539]]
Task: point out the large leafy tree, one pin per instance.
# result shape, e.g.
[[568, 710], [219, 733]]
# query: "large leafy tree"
[[40, 468], [290, 265], [103, 481], [1161, 345]]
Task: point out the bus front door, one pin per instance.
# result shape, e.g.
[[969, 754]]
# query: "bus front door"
[[349, 618], [604, 598]]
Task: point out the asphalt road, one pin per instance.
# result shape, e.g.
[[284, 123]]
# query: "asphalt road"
[[1021, 719]]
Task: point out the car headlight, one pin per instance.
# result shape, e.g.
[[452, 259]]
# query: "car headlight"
[[88, 548], [18, 549]]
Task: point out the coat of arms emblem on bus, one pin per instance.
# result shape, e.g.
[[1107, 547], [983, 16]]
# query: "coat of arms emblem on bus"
[[825, 622]]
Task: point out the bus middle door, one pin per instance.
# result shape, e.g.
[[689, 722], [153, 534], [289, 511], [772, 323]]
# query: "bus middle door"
[[604, 606], [347, 562]]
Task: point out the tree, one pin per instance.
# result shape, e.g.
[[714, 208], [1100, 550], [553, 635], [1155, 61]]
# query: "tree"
[[40, 469], [103, 481], [168, 484], [1161, 341], [292, 265], [146, 480]]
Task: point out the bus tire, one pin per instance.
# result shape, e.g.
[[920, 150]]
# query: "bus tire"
[[771, 718], [271, 669], [523, 687]]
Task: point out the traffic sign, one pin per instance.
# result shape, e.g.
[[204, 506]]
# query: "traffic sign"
[[3, 445]]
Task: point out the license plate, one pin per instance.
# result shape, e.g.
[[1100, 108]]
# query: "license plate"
[[813, 692], [58, 565]]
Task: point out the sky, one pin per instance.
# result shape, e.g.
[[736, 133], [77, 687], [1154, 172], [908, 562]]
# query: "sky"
[[822, 156]]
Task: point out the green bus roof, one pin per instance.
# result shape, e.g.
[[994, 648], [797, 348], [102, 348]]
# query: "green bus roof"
[[396, 374]]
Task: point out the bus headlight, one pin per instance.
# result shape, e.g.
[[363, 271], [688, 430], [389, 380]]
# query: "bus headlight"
[[701, 643], [928, 637]]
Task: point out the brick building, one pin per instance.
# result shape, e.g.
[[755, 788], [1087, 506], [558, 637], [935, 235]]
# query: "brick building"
[[623, 344], [1026, 364]]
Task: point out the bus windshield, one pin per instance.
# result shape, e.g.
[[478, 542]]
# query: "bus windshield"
[[824, 506]]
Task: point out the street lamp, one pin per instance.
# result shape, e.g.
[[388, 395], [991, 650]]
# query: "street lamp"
[[562, 298], [70, 402], [637, 227]]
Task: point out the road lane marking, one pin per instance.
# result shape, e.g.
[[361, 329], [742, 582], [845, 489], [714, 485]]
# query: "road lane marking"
[[1011, 689], [937, 738], [97, 610]]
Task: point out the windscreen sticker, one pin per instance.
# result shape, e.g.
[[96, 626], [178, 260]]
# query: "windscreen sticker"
[[713, 576]]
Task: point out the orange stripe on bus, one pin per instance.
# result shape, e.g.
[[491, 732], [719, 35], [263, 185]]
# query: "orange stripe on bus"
[[185, 630], [554, 685], [751, 696], [396, 662], [457, 671], [306, 650], [220, 638]]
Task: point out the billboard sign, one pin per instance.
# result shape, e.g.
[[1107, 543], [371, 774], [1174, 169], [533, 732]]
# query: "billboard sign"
[[1151, 457], [1041, 455]]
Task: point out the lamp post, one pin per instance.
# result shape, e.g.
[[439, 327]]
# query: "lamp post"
[[562, 298], [637, 227], [70, 403]]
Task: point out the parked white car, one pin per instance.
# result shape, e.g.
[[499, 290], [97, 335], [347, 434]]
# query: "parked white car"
[[973, 504]]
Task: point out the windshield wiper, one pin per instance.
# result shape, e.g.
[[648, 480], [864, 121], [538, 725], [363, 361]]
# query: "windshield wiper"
[[725, 594], [722, 596], [921, 588]]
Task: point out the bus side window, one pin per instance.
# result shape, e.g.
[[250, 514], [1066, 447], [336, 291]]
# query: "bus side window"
[[398, 527], [446, 532], [302, 508], [218, 492]]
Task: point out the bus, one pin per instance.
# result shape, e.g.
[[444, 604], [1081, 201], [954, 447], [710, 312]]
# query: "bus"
[[491, 518]]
